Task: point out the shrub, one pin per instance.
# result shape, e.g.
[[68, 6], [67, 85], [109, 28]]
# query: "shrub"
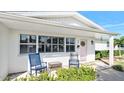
[[98, 56], [28, 78], [118, 67], [116, 52], [101, 54], [45, 77], [105, 53], [42, 77], [83, 73]]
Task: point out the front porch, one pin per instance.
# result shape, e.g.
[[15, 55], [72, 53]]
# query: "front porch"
[[104, 72]]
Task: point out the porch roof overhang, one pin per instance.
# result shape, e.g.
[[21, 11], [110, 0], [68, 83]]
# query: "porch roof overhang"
[[32, 24]]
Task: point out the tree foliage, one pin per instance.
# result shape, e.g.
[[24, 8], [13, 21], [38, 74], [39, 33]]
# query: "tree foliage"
[[119, 42]]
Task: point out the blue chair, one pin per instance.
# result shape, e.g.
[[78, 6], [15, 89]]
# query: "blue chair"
[[74, 61], [36, 64]]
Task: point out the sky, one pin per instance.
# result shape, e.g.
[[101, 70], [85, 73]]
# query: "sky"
[[113, 21]]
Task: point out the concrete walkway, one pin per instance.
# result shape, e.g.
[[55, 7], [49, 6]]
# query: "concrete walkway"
[[105, 73]]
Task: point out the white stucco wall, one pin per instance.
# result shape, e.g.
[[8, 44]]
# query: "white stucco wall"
[[19, 62], [3, 51], [11, 61]]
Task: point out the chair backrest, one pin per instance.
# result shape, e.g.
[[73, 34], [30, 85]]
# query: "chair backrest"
[[74, 56], [34, 59]]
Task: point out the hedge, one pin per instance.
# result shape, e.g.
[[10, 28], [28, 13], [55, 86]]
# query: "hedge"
[[105, 53], [119, 66], [83, 73], [101, 54]]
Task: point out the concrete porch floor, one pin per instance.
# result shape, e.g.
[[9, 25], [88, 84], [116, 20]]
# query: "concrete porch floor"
[[104, 72]]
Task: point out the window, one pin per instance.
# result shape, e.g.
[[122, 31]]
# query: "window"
[[58, 44], [27, 43], [70, 45], [51, 44], [46, 44], [122, 45], [61, 45], [55, 44]]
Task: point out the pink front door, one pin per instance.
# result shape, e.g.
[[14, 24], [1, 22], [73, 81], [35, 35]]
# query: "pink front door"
[[83, 50]]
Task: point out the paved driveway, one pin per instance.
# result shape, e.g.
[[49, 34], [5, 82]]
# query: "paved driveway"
[[105, 73]]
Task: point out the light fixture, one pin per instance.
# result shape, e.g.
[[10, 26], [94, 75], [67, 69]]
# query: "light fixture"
[[78, 46], [92, 42]]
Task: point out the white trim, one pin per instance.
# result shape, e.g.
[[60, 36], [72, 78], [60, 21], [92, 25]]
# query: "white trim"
[[111, 51]]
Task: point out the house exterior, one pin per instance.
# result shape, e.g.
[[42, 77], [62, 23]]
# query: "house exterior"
[[119, 48], [53, 34]]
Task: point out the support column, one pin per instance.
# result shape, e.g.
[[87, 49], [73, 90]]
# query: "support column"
[[37, 45], [111, 50]]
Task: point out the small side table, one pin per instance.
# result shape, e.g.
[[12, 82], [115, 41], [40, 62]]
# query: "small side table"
[[54, 65]]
